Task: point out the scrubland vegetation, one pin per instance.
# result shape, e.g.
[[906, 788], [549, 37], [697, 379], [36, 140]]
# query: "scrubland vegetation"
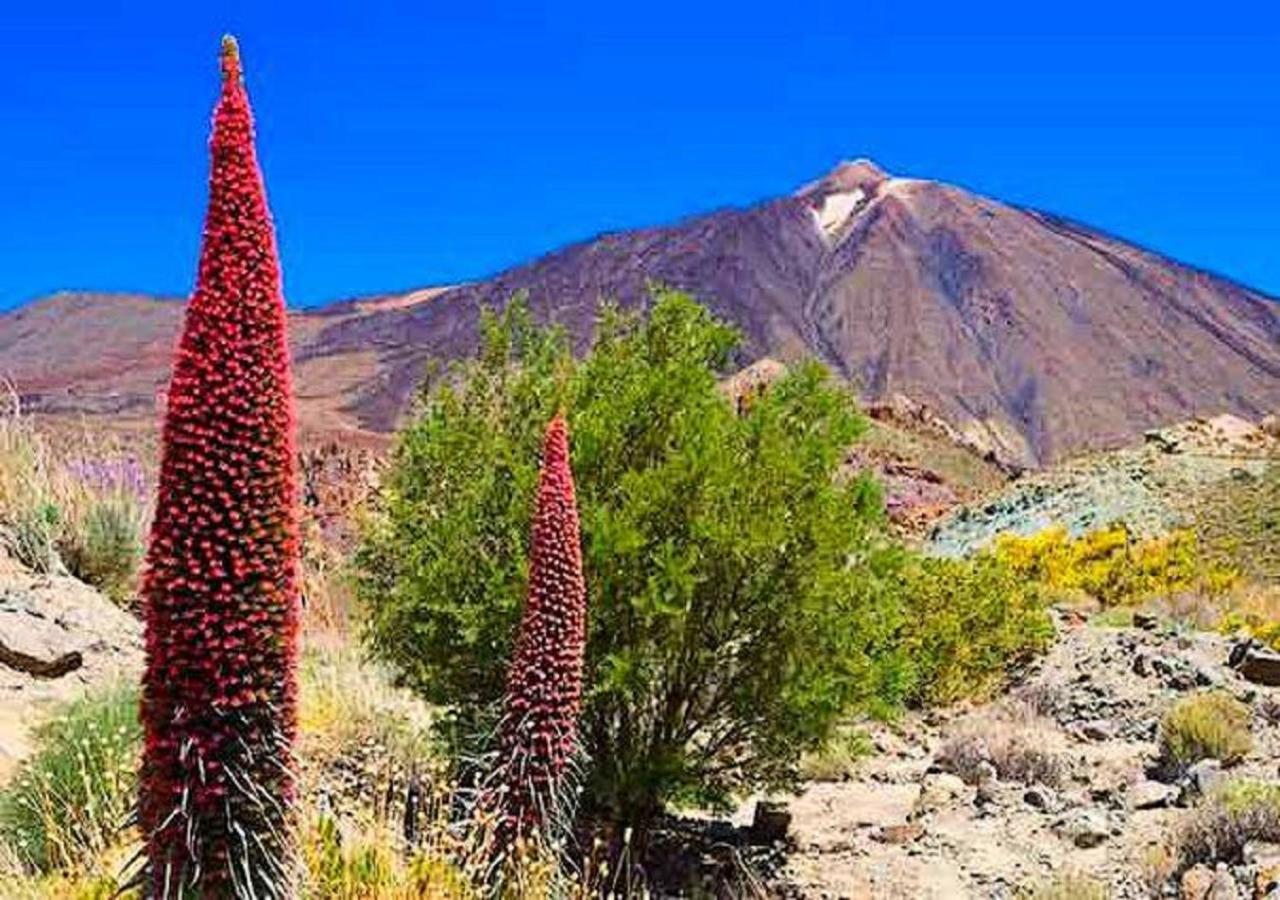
[[548, 636], [745, 603], [78, 505]]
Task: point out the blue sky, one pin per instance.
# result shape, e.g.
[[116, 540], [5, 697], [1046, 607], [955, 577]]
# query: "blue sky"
[[415, 144]]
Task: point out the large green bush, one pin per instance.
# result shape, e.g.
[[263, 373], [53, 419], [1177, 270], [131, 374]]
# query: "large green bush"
[[740, 595]]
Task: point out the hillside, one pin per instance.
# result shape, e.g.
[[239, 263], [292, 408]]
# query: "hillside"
[[1034, 336]]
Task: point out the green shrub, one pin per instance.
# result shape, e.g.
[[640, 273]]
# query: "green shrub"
[[1211, 725], [71, 800], [1241, 811], [966, 623], [740, 595], [105, 547]]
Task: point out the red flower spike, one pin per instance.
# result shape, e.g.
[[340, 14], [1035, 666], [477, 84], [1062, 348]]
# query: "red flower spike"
[[219, 693], [538, 735]]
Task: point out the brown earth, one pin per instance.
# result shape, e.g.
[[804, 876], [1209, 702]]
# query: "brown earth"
[[1033, 336]]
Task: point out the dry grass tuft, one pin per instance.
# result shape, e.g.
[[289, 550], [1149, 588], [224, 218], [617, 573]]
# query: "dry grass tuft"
[[837, 759], [1021, 746], [1217, 831], [78, 504], [1069, 886]]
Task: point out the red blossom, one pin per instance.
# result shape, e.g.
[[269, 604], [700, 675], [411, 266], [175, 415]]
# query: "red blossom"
[[221, 589], [538, 735]]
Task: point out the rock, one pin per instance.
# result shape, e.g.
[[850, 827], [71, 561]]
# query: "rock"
[[1260, 666], [1270, 426], [1086, 829], [1261, 853], [989, 793], [770, 823], [1141, 665], [1201, 778], [1239, 649], [1098, 730], [1150, 794], [1162, 439], [940, 789], [901, 834], [1202, 883], [1145, 621], [1205, 774], [1040, 797]]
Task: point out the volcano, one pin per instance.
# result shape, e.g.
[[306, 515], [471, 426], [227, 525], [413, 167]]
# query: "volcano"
[[1033, 335]]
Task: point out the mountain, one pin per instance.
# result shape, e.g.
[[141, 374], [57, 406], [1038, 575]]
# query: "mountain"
[[1031, 334]]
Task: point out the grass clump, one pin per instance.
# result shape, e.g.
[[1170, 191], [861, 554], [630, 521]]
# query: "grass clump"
[[370, 862], [1068, 886], [104, 548], [1240, 811], [81, 509], [838, 756], [1212, 725], [70, 801], [1018, 743]]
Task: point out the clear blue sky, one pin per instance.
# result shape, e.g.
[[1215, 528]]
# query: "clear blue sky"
[[415, 144]]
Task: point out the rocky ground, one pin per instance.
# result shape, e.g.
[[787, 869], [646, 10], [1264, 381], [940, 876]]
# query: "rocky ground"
[[1058, 776], [46, 617], [1151, 487]]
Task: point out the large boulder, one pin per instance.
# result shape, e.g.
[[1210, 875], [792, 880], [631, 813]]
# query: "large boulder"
[[52, 619]]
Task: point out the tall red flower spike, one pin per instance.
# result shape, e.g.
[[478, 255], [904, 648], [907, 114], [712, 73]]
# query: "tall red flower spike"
[[538, 734], [221, 586]]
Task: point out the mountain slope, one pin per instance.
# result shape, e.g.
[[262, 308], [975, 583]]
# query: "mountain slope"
[[1034, 335]]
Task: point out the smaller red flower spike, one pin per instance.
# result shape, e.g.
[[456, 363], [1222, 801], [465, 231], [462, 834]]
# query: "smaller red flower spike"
[[538, 734]]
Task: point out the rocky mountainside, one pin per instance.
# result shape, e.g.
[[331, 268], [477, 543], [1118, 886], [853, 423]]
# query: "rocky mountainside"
[[1054, 787], [1033, 335]]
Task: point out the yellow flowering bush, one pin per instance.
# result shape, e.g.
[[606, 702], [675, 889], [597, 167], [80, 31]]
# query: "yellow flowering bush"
[[1112, 566]]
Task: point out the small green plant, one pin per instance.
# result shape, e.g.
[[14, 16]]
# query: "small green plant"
[[33, 536], [1241, 811], [1114, 617], [838, 756], [1211, 725], [105, 548], [70, 801], [1068, 886]]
